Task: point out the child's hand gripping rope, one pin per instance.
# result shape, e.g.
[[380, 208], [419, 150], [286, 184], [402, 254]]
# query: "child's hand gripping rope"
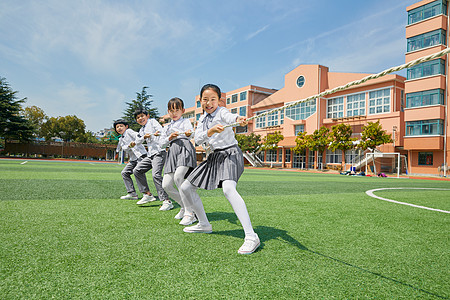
[[148, 135], [175, 134], [241, 121]]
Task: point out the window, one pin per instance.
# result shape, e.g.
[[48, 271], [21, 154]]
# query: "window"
[[298, 160], [334, 157], [243, 96], [425, 98], [380, 101], [280, 155], [429, 39], [302, 110], [189, 115], [311, 158], [243, 111], [335, 108], [272, 119], [242, 129], [198, 104], [402, 100], [299, 128], [300, 81], [429, 68], [288, 155], [234, 110], [260, 122], [197, 116], [234, 98], [356, 105], [269, 120], [425, 158], [228, 100], [350, 155], [271, 155], [319, 160], [427, 11], [425, 127]]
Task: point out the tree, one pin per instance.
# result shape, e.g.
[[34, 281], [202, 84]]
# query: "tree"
[[302, 142], [12, 124], [68, 128], [341, 138], [271, 140], [37, 117], [250, 143], [373, 135], [142, 101], [87, 137], [319, 140]]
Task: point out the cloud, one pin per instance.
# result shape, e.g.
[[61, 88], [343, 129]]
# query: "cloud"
[[253, 34], [359, 46], [103, 36]]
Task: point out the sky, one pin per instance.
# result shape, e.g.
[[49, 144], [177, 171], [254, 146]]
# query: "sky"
[[89, 57]]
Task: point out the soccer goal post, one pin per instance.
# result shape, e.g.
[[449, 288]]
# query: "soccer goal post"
[[380, 162]]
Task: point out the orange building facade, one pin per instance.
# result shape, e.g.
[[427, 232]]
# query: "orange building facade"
[[413, 110], [426, 107]]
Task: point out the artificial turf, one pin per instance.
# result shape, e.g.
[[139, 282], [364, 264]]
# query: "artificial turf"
[[65, 234]]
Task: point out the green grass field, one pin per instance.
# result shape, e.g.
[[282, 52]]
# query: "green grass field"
[[66, 234]]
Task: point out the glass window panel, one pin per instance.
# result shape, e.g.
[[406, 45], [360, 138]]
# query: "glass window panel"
[[380, 102]]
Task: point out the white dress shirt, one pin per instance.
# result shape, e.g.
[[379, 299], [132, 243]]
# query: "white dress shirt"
[[181, 126], [153, 142], [124, 144], [218, 140]]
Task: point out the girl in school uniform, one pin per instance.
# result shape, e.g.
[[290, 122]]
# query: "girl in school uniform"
[[181, 157], [222, 168]]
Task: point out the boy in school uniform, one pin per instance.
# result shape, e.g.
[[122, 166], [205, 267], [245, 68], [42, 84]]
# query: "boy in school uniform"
[[156, 157], [136, 154]]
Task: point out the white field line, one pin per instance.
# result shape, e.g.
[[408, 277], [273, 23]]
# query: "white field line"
[[24, 162], [371, 194]]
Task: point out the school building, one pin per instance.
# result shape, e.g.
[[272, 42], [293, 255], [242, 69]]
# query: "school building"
[[414, 110]]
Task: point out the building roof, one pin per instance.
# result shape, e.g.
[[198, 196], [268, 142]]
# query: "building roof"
[[331, 81]]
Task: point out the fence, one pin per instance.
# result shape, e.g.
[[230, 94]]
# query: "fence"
[[60, 149]]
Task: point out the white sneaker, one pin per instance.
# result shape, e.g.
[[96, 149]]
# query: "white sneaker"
[[167, 205], [198, 229], [250, 245], [180, 214], [146, 199], [188, 220], [129, 196]]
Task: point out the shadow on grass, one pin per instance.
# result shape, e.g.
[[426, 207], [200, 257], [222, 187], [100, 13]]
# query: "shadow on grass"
[[153, 204], [158, 203], [267, 233], [223, 216]]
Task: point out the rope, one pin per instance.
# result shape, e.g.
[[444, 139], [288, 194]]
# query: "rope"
[[352, 83]]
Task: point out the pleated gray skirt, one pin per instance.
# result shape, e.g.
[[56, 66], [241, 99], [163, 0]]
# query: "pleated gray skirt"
[[181, 153], [221, 165]]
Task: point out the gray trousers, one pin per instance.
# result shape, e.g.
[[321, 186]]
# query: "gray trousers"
[[156, 163], [126, 175]]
